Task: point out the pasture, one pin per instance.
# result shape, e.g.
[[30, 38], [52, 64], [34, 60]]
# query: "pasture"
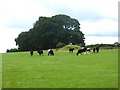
[[63, 70]]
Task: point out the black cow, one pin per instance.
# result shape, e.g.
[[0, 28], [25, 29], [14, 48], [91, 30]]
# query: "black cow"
[[94, 50], [40, 52], [31, 52], [97, 48], [50, 53], [71, 50]]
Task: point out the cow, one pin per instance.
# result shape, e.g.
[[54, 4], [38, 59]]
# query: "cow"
[[31, 52], [40, 52], [97, 49], [81, 50], [50, 52], [84, 50], [88, 50], [71, 50], [94, 50]]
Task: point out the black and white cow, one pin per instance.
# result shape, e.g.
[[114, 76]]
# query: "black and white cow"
[[88, 50], [71, 50], [84, 50], [50, 52], [81, 50], [40, 52]]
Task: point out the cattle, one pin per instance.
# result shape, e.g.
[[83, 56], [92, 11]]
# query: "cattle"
[[40, 52], [97, 49], [71, 50], [31, 52], [81, 50], [94, 50], [50, 52], [84, 50], [88, 50]]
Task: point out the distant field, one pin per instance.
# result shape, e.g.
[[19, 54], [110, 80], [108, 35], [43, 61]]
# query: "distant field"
[[64, 70]]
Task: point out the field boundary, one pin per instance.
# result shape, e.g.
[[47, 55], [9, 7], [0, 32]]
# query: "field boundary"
[[0, 70]]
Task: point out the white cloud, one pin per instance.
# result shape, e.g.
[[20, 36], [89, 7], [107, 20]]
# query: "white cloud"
[[7, 37], [100, 40], [104, 27]]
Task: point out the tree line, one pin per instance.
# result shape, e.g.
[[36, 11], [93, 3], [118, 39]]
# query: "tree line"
[[116, 45]]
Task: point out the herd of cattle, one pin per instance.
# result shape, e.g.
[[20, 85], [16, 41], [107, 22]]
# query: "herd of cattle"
[[83, 50], [40, 52]]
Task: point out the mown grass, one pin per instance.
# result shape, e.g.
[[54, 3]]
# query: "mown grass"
[[64, 70]]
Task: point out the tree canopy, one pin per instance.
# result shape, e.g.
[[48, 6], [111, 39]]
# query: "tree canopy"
[[48, 32]]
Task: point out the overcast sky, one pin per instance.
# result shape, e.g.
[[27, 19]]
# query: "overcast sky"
[[98, 18]]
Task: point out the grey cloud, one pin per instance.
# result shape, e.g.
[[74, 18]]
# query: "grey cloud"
[[86, 15], [80, 14]]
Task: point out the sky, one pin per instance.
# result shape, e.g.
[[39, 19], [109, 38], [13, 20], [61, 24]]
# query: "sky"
[[98, 18]]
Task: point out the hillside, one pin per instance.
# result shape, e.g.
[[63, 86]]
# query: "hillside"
[[76, 47]]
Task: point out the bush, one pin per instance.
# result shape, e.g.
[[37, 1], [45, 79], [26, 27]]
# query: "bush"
[[12, 50], [60, 44], [76, 47]]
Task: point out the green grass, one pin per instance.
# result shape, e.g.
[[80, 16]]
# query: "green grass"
[[64, 70]]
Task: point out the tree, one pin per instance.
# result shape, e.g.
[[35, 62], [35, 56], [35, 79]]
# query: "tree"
[[48, 32], [23, 41], [60, 44]]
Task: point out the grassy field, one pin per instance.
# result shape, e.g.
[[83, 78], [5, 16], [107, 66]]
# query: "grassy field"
[[64, 70]]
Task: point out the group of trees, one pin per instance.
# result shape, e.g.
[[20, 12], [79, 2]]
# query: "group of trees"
[[12, 50], [106, 46], [51, 32]]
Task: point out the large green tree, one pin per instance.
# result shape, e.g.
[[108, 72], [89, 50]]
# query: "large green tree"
[[47, 32]]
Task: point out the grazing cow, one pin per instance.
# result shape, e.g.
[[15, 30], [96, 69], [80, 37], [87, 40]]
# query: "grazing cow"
[[97, 48], [94, 50], [40, 52], [84, 50], [50, 53], [88, 49], [71, 50], [81, 50], [31, 52]]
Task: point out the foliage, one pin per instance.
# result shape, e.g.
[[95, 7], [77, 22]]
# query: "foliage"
[[48, 32], [105, 46], [76, 47], [60, 44], [12, 50]]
